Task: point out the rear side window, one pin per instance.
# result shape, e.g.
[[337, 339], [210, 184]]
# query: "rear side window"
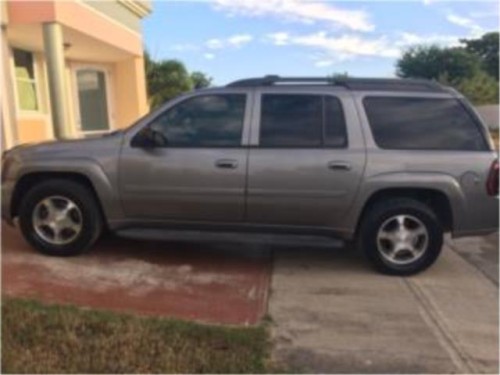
[[334, 123], [301, 121], [422, 123]]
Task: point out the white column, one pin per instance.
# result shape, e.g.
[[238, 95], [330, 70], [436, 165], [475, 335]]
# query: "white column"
[[8, 109], [54, 52]]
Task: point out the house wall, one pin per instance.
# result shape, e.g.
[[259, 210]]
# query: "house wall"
[[114, 36], [130, 102], [78, 16], [8, 133], [490, 115], [32, 129], [117, 12]]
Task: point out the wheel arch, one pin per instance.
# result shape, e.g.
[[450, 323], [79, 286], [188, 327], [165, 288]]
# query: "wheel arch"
[[436, 199], [30, 179]]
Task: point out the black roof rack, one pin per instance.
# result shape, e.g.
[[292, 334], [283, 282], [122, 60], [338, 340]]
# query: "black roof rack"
[[359, 84]]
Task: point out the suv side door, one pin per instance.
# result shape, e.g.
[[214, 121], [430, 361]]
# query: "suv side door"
[[307, 157], [200, 174]]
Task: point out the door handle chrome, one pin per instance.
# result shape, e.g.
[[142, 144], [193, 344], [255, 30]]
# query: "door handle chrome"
[[339, 166], [226, 163]]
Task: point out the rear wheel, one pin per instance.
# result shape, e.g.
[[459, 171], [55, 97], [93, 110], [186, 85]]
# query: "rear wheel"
[[401, 236], [60, 217]]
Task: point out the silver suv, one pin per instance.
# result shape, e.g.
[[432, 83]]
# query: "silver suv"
[[389, 165]]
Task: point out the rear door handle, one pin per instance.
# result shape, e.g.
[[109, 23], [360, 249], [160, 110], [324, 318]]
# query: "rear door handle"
[[339, 166], [226, 163]]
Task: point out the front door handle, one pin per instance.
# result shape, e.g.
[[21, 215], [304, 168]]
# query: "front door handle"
[[226, 163], [339, 166]]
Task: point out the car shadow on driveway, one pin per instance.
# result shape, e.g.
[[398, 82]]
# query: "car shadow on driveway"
[[210, 282]]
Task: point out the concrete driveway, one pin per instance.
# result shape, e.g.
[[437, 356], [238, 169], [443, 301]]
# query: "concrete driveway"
[[332, 314]]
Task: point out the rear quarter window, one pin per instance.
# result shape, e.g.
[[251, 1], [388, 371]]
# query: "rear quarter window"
[[423, 124]]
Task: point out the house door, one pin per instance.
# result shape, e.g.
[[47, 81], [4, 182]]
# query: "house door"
[[92, 99]]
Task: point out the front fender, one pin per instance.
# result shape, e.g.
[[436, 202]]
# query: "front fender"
[[103, 184]]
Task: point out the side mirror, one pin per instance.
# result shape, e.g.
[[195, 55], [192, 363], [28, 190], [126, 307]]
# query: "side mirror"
[[149, 138]]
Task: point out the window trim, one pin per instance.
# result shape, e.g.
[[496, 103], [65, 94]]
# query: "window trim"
[[246, 113], [323, 127], [35, 80], [460, 101]]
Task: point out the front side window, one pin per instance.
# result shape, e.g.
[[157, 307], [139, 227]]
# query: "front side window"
[[25, 80], [422, 123], [301, 121], [204, 121]]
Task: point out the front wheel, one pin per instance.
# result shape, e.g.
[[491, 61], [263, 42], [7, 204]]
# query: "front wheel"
[[60, 217], [401, 236]]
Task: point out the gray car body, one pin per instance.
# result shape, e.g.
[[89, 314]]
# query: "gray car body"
[[293, 190]]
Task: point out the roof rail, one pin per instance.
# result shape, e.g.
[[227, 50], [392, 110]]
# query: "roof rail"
[[358, 84], [274, 79]]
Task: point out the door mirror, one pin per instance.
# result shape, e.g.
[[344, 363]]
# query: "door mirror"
[[149, 138]]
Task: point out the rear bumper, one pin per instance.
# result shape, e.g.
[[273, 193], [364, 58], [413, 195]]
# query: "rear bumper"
[[480, 218]]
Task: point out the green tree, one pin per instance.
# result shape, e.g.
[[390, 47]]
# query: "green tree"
[[166, 79], [486, 48], [432, 62], [481, 88], [468, 69], [200, 80]]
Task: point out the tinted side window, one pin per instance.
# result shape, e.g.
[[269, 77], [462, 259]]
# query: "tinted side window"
[[301, 121], [422, 123], [291, 120], [204, 121], [335, 128]]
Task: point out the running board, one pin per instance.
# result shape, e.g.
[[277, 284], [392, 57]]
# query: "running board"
[[288, 240]]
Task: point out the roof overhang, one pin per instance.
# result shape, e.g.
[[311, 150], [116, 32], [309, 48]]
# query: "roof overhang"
[[140, 8]]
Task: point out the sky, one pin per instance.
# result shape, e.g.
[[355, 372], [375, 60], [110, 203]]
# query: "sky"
[[234, 39]]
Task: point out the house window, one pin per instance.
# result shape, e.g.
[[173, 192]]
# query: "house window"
[[25, 80], [92, 99]]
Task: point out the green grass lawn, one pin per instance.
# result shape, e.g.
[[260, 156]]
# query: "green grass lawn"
[[39, 338]]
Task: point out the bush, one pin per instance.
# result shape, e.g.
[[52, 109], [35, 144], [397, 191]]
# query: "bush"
[[481, 88]]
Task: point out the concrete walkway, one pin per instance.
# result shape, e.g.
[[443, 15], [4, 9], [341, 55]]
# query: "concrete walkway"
[[332, 314]]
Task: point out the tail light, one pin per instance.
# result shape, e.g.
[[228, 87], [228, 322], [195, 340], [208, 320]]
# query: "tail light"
[[492, 182]]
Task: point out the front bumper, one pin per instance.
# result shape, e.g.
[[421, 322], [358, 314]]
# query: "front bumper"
[[7, 192]]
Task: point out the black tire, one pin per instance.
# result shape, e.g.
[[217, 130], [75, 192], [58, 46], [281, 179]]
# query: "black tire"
[[91, 220], [382, 211]]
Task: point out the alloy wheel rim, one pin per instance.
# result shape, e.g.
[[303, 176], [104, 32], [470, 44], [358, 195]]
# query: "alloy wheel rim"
[[57, 220], [402, 239]]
